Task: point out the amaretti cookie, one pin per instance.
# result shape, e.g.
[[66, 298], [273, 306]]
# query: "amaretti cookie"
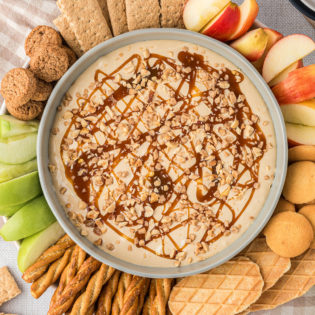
[[49, 63], [71, 55], [289, 234], [43, 90], [41, 35], [28, 111], [18, 86]]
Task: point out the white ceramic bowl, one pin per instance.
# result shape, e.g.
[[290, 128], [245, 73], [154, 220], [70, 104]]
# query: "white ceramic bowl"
[[158, 34]]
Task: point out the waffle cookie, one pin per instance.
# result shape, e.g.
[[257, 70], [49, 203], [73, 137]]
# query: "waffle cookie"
[[272, 266], [297, 281], [227, 289]]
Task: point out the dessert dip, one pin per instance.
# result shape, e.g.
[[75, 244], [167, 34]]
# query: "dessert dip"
[[162, 153]]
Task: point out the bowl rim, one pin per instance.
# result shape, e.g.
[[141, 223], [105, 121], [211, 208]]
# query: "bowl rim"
[[162, 34]]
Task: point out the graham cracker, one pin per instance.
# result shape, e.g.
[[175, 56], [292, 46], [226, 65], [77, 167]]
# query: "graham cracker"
[[104, 7], [87, 22], [142, 14], [68, 35], [118, 17], [172, 13], [8, 286]]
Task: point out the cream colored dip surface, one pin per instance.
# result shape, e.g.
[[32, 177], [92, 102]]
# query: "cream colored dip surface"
[[178, 160]]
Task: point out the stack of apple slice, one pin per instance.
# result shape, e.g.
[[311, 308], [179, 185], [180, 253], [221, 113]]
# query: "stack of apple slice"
[[20, 193]]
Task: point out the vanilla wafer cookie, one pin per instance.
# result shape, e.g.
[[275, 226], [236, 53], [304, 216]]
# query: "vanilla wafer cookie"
[[88, 31], [172, 13], [297, 281], [272, 266], [302, 153], [67, 33], [142, 14], [118, 18], [227, 289]]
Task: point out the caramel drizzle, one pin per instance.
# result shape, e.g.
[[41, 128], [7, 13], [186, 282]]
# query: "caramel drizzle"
[[90, 194]]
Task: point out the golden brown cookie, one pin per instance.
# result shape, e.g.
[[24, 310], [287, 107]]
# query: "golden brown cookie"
[[302, 153], [49, 63], [284, 205], [28, 111], [18, 86], [43, 90], [309, 213], [71, 55], [41, 35], [289, 234], [300, 182]]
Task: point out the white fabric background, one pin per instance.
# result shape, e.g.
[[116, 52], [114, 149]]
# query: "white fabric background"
[[277, 14]]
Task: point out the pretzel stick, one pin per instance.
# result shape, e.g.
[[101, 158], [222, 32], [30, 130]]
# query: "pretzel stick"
[[69, 293], [51, 254], [92, 291], [104, 305], [147, 308], [77, 259], [143, 294], [123, 284], [51, 276], [163, 290], [132, 299]]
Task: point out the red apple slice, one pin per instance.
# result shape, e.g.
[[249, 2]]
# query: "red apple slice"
[[284, 74], [251, 45], [297, 87], [249, 10], [298, 134], [301, 113], [197, 13], [273, 37], [224, 24], [285, 52]]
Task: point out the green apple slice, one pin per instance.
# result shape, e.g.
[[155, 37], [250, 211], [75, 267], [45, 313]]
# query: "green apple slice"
[[19, 149], [34, 217], [10, 171], [19, 190], [11, 127], [33, 246], [10, 210]]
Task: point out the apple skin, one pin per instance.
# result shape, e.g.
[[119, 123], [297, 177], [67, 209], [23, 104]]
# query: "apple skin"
[[197, 13], [302, 113], [248, 13], [224, 24], [18, 149], [284, 74], [33, 246], [19, 190], [273, 37], [297, 87], [299, 134], [251, 45], [284, 53], [35, 216]]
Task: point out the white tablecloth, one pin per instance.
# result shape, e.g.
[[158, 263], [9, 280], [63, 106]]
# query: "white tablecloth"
[[277, 14]]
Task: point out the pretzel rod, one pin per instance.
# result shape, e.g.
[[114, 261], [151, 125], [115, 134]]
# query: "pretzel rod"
[[132, 299], [93, 290], [69, 293], [51, 276], [104, 305], [147, 308], [163, 290], [50, 255], [77, 259], [143, 294], [124, 282]]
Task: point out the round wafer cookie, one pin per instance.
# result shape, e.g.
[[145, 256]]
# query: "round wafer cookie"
[[302, 153], [227, 289], [49, 63], [289, 234], [18, 86], [300, 182], [41, 35]]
